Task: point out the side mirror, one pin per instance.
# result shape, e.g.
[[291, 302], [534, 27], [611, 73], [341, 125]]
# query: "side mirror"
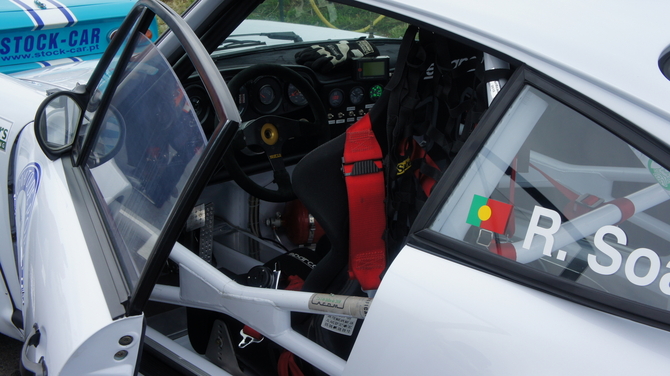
[[56, 123]]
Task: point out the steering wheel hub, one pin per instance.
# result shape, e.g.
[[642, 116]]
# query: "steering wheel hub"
[[269, 134]]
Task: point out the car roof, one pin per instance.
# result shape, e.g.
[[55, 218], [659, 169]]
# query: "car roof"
[[608, 51]]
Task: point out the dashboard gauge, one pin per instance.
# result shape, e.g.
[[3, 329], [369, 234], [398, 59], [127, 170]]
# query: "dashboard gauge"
[[336, 97], [266, 94], [200, 102], [376, 92], [295, 96], [356, 95]]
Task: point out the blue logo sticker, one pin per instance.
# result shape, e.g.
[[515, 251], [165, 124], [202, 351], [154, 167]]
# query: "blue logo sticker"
[[24, 199]]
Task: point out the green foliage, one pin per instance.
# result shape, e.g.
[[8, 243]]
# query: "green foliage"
[[329, 15], [178, 6], [303, 12]]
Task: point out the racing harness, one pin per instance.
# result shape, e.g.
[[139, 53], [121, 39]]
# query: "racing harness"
[[432, 106]]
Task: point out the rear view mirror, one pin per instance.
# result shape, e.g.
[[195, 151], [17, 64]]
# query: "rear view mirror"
[[56, 123]]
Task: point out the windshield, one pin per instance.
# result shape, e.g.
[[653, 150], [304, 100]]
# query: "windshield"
[[328, 14], [276, 23], [145, 149]]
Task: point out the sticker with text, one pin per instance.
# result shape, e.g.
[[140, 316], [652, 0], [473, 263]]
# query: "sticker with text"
[[641, 267], [339, 324]]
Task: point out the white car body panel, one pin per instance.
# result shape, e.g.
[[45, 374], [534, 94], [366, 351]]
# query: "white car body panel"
[[20, 102], [63, 77], [438, 324], [97, 356], [59, 273]]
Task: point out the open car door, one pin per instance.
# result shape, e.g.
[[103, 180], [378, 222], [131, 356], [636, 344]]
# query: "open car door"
[[100, 182]]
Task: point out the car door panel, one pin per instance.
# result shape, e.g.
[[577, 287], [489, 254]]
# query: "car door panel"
[[432, 313], [112, 350], [62, 292], [16, 98]]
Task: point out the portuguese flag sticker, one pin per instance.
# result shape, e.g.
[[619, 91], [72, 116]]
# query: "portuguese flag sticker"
[[489, 214]]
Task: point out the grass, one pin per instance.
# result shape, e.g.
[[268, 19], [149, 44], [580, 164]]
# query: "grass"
[[326, 14]]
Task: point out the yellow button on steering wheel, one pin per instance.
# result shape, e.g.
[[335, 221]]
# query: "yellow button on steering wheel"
[[269, 134]]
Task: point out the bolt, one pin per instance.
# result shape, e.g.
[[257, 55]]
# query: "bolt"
[[125, 340], [120, 355]]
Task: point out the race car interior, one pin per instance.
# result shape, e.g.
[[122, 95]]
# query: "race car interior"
[[276, 213], [304, 187]]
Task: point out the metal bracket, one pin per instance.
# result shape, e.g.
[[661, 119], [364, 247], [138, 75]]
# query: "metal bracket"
[[202, 218], [220, 349]]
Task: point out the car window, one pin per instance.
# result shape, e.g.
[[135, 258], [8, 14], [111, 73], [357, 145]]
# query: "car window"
[[272, 24], [557, 192], [95, 101], [309, 21], [331, 15], [143, 153]]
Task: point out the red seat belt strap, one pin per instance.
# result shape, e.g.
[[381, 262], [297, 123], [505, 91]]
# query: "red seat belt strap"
[[364, 176], [287, 366]]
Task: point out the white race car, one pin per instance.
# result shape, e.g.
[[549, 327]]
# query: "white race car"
[[378, 187]]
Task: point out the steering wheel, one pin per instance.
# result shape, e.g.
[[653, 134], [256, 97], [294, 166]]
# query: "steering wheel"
[[270, 132]]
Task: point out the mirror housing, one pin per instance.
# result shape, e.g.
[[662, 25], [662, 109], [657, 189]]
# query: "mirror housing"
[[56, 123]]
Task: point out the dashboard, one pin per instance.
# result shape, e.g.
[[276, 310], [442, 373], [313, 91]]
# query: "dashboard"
[[346, 94]]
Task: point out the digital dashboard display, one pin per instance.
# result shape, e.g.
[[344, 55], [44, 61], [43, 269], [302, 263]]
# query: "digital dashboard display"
[[374, 68]]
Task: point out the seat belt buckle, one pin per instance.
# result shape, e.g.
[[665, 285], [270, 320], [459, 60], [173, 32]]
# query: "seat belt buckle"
[[365, 167], [589, 200]]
